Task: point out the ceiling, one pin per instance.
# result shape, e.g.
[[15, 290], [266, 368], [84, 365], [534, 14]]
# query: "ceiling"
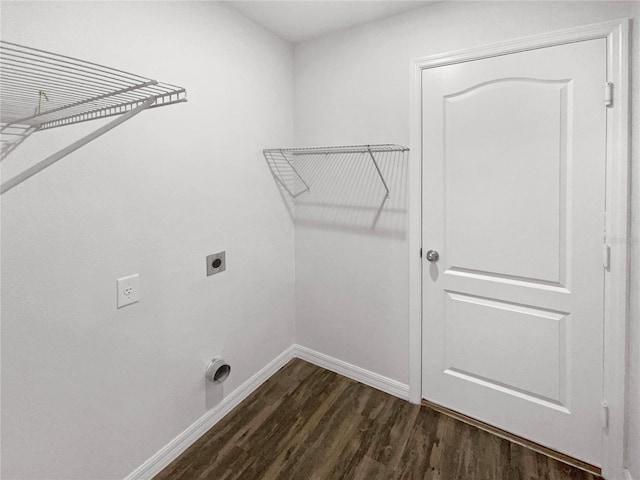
[[301, 20]]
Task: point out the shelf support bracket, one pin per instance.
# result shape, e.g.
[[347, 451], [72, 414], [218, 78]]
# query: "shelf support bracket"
[[275, 171], [50, 160], [373, 159], [9, 147], [306, 186]]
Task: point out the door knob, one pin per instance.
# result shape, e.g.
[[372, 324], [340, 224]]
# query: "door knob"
[[433, 256]]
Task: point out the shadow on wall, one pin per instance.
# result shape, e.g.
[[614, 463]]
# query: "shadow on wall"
[[213, 394], [345, 191]]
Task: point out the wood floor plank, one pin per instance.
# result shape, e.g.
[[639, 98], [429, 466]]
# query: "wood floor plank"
[[307, 423]]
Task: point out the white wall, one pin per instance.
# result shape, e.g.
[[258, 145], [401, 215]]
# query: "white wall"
[[89, 391], [353, 87], [174, 184]]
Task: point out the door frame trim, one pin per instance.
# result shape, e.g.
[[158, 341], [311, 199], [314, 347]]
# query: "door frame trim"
[[616, 289]]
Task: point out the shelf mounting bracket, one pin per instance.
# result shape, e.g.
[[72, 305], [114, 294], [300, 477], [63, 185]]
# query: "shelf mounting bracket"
[[373, 159], [50, 160], [306, 186], [21, 136]]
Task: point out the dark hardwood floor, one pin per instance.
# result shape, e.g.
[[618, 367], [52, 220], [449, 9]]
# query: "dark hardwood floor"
[[307, 423]]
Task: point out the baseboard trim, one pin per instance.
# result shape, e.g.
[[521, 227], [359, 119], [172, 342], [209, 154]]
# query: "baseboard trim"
[[367, 377], [184, 440]]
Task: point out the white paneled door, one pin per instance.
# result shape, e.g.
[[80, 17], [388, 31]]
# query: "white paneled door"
[[514, 206]]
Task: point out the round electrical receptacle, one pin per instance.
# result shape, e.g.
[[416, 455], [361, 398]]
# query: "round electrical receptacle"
[[216, 263]]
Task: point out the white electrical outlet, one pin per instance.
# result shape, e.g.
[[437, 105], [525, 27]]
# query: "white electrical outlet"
[[128, 290]]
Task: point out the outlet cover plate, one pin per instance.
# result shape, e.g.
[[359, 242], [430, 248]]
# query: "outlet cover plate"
[[128, 290], [213, 260]]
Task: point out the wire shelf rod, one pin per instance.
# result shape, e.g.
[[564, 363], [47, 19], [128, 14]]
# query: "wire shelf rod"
[[15, 86], [340, 149], [54, 73], [107, 111], [55, 79], [26, 94], [81, 102], [343, 149], [43, 82], [65, 57], [47, 84], [18, 109], [72, 66], [99, 115], [56, 100], [59, 100], [71, 73]]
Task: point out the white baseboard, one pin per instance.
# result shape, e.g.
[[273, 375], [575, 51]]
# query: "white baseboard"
[[175, 447], [375, 380]]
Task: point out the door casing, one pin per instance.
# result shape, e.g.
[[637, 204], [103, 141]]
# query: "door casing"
[[616, 223]]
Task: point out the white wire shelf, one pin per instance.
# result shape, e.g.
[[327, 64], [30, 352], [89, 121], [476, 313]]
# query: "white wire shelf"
[[282, 162], [40, 90], [45, 90]]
